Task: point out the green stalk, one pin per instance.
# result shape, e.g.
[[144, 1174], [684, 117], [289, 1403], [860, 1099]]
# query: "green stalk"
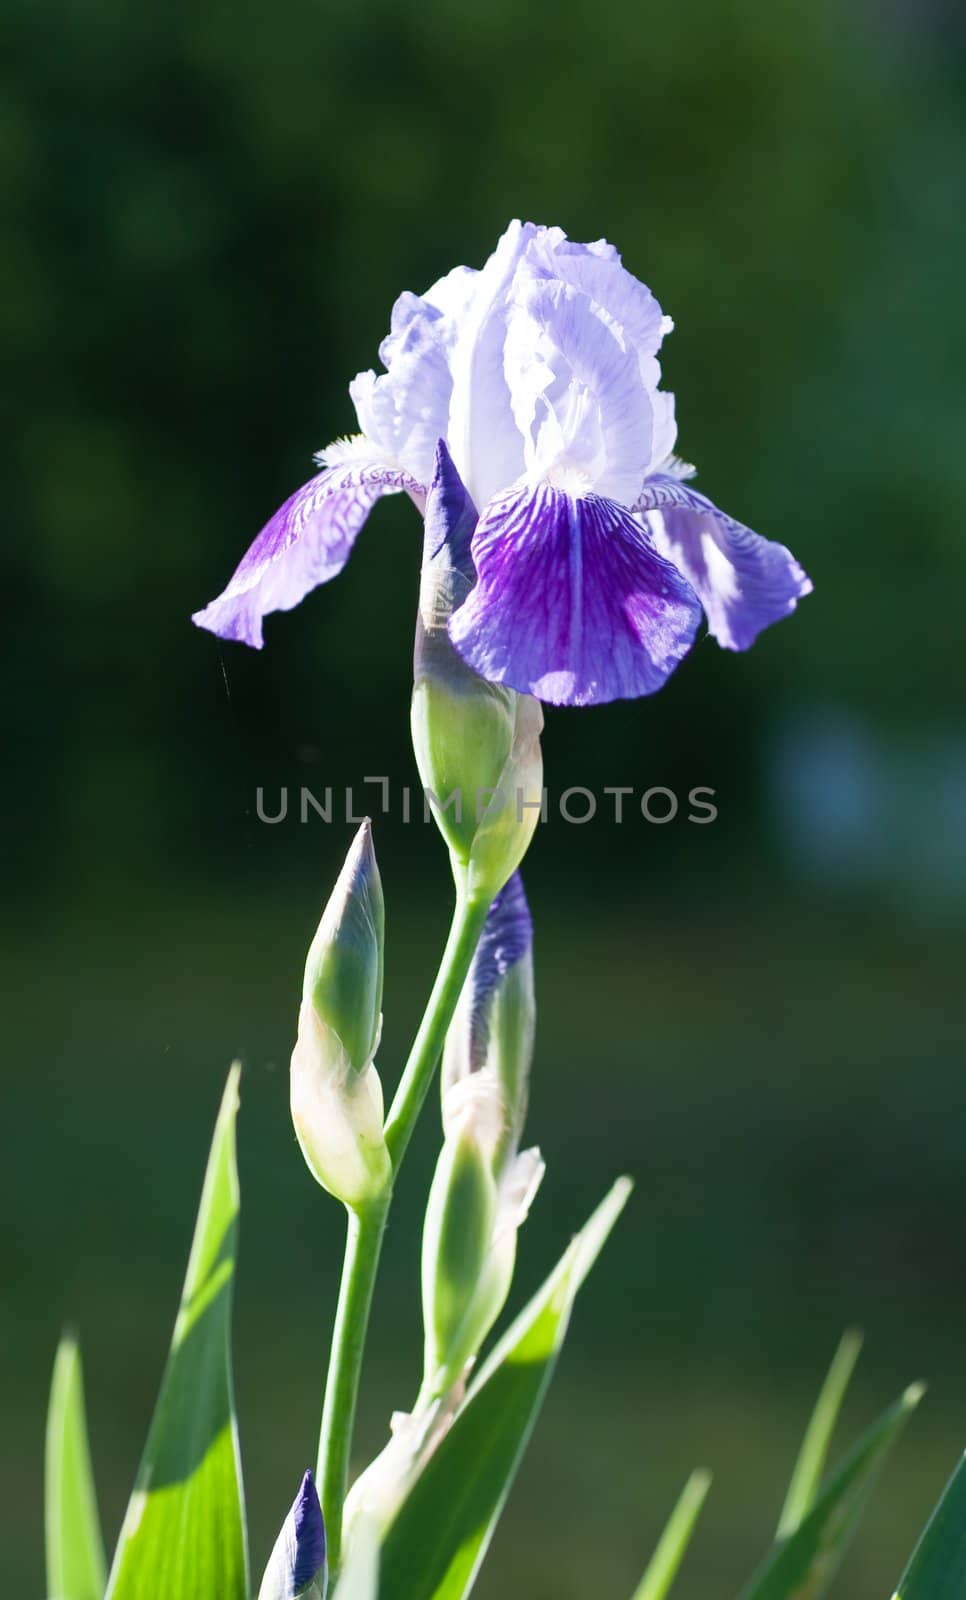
[[464, 936], [366, 1228], [364, 1234]]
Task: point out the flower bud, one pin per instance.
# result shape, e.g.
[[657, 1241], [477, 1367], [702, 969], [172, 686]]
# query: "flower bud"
[[297, 1566], [338, 1115], [336, 1095], [460, 1217], [470, 1233], [483, 1188], [493, 1029], [477, 743], [343, 970]]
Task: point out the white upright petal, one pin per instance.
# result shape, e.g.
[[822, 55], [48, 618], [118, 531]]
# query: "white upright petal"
[[544, 362], [627, 303], [454, 293], [577, 392], [483, 437]]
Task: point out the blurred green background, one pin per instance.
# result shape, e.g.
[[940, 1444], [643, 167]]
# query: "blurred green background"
[[210, 209]]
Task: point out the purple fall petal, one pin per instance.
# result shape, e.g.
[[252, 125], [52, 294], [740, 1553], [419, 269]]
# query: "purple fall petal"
[[307, 542], [743, 581], [573, 603]]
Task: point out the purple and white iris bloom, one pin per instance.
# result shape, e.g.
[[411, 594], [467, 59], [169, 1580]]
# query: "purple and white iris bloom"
[[593, 557]]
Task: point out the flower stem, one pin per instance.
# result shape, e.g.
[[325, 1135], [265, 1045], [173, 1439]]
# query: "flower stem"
[[366, 1227], [363, 1245], [464, 935]]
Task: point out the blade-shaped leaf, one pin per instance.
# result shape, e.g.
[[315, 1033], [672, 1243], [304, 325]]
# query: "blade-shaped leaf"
[[76, 1568], [664, 1563], [437, 1542], [937, 1570], [810, 1465], [805, 1564], [184, 1533]]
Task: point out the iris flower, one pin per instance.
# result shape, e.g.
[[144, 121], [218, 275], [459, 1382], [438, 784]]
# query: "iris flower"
[[539, 377]]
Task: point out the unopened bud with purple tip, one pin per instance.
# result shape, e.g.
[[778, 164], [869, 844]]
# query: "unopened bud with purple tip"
[[483, 1185], [477, 743], [297, 1566], [336, 1095], [491, 1035], [480, 1194]]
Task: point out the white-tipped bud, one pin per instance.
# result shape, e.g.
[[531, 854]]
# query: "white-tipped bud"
[[338, 1115], [336, 1096], [477, 744]]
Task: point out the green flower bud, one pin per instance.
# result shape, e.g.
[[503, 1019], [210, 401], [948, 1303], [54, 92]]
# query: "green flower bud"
[[477, 744], [510, 1047], [480, 1195], [343, 970], [470, 1233], [492, 1031], [336, 1095], [482, 1180], [457, 1233]]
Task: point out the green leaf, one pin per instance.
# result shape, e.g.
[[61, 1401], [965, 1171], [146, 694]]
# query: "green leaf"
[[818, 1436], [664, 1563], [75, 1549], [937, 1570], [184, 1533], [802, 1566], [435, 1546]]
